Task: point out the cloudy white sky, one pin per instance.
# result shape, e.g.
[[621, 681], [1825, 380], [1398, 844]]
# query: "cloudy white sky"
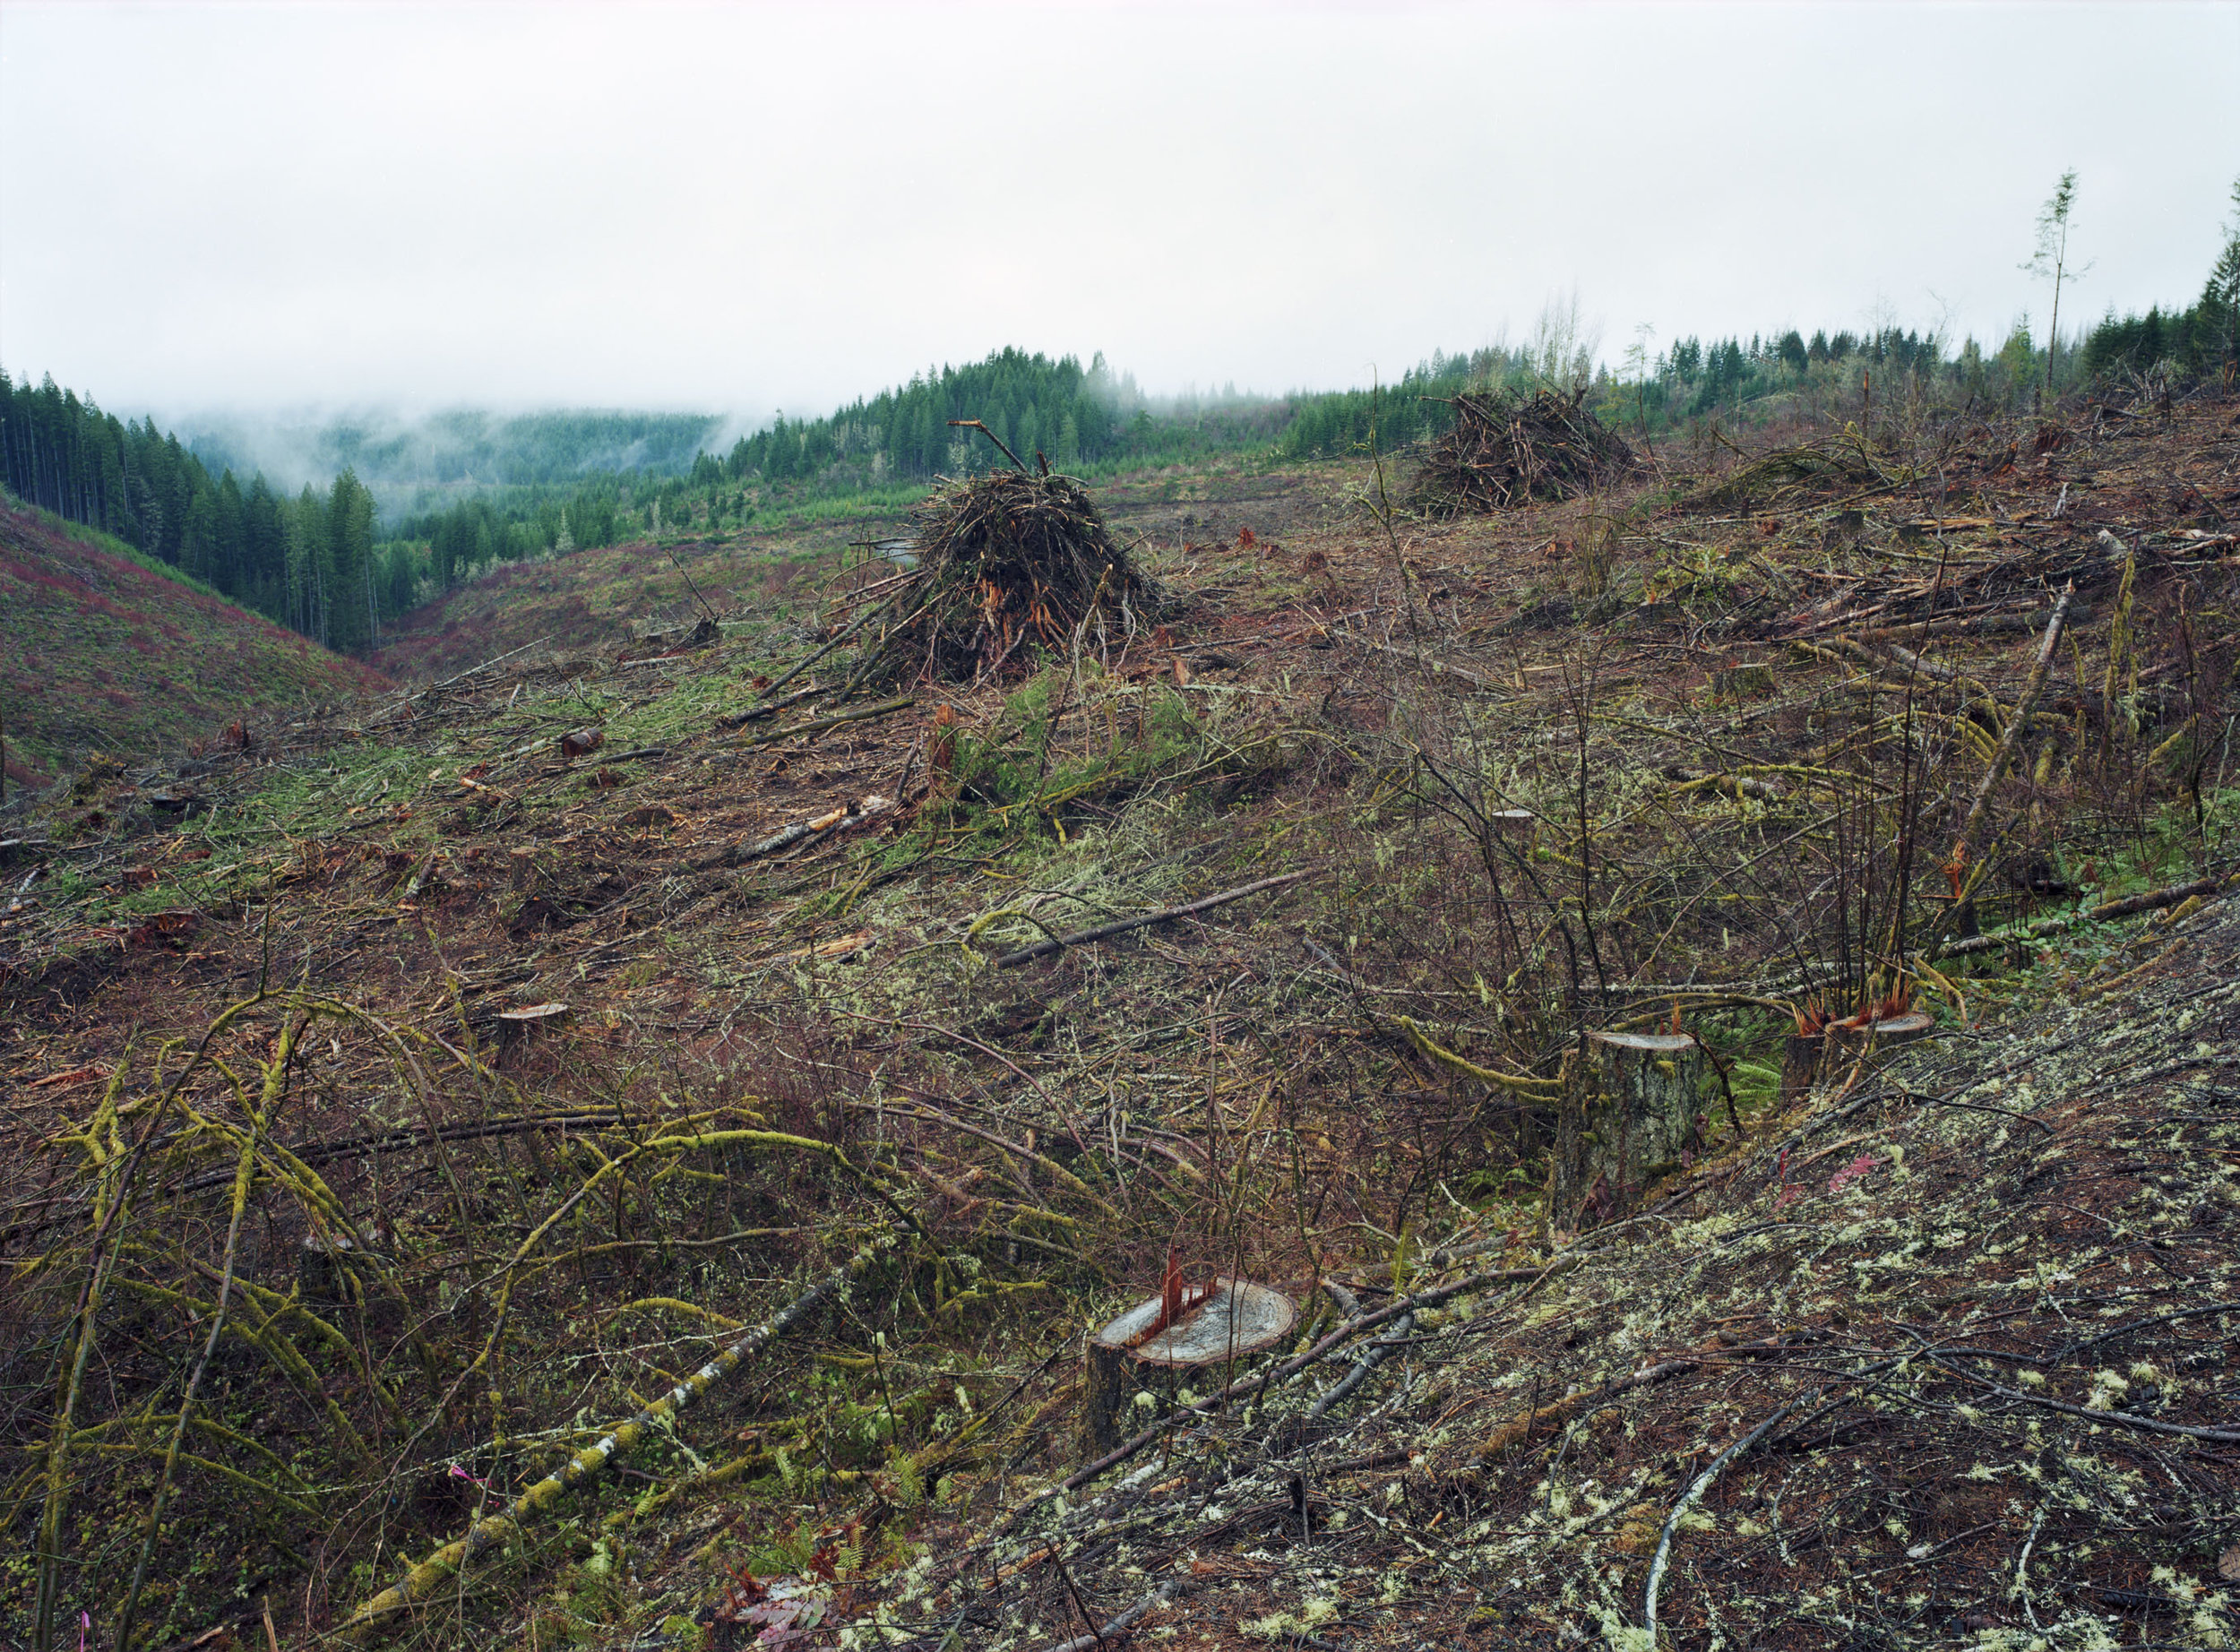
[[741, 207]]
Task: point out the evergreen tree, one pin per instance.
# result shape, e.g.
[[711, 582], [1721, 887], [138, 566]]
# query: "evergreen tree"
[[309, 557], [264, 550], [198, 547], [230, 535], [349, 524]]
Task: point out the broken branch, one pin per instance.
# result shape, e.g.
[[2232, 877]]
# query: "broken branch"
[[496, 1530], [1105, 932]]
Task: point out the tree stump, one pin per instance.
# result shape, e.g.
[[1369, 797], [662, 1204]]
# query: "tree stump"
[[1801, 1059], [518, 1028], [1239, 1318], [528, 1016], [1888, 1033], [1740, 681], [328, 1265], [1808, 1055], [1628, 1113]]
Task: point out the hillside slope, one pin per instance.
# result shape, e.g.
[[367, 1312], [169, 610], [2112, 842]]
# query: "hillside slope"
[[591, 601], [585, 1018], [99, 653]]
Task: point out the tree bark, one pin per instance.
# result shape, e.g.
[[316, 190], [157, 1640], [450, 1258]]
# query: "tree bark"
[[1629, 1111]]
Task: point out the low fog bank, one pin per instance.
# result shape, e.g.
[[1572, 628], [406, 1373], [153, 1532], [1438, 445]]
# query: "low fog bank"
[[412, 462]]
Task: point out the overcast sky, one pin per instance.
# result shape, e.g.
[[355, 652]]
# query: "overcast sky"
[[737, 208]]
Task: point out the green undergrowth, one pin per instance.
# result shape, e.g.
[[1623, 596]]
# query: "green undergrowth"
[[1016, 769], [848, 994], [1028, 835]]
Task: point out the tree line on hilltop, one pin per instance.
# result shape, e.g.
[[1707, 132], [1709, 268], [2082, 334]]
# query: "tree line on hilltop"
[[881, 449], [1030, 403]]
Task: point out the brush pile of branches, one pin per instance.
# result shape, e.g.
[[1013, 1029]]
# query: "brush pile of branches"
[[1008, 563], [1828, 466], [1506, 448]]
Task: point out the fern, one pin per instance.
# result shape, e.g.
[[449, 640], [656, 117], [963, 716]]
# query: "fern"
[[909, 1481]]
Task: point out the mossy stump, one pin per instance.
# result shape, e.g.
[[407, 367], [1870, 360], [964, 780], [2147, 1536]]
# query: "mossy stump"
[[1239, 1318], [328, 1267], [1629, 1112], [1742, 681], [1801, 1057]]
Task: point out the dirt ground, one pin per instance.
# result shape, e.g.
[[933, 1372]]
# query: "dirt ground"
[[1684, 754]]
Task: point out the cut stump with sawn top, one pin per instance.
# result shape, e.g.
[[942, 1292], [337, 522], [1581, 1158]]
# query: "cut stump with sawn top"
[[1807, 1056], [1235, 1317], [1629, 1112], [1887, 1033]]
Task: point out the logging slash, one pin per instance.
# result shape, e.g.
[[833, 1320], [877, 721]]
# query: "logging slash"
[[1105, 932], [496, 1530]]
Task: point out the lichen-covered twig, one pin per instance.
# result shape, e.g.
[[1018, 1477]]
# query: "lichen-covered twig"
[[275, 1088], [1105, 932], [1702, 1483], [494, 1531], [1126, 1620]]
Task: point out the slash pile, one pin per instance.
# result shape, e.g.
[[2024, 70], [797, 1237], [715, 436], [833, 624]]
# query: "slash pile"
[[1506, 448], [1008, 563]]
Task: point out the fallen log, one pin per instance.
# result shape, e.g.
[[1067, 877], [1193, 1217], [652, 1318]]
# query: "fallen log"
[[1124, 1623], [1963, 851], [1983, 624], [804, 663], [2128, 906], [768, 707], [1687, 779], [1105, 932], [1895, 654], [800, 832]]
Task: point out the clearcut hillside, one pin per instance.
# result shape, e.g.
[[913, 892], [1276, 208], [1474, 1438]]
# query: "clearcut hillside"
[[103, 653]]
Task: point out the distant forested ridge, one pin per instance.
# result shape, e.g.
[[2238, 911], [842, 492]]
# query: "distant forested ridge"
[[1078, 417], [876, 453], [466, 491]]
